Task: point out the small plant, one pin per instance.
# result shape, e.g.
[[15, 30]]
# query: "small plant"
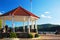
[[36, 35], [13, 35], [30, 36]]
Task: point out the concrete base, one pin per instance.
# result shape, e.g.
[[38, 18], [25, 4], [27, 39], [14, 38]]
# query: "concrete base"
[[11, 38]]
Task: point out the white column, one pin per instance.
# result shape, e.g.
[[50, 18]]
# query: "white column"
[[13, 23], [32, 24], [3, 24], [36, 26], [28, 25], [24, 25]]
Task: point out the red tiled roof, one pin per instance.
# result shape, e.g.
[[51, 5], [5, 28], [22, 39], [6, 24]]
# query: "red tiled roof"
[[20, 12]]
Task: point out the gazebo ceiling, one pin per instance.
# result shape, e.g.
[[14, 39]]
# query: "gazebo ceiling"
[[19, 13]]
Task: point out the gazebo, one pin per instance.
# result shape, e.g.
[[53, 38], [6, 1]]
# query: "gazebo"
[[21, 15]]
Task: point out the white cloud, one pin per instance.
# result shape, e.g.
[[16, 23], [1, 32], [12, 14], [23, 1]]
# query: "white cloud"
[[1, 13], [46, 12], [44, 16], [49, 16]]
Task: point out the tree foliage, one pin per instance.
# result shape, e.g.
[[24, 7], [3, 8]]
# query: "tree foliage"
[[0, 23]]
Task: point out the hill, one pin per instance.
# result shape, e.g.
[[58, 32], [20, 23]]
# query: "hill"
[[42, 27], [48, 27]]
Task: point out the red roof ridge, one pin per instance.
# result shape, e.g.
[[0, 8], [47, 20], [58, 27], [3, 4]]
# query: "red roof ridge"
[[21, 12]]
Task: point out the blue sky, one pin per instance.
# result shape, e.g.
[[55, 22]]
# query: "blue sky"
[[47, 10]]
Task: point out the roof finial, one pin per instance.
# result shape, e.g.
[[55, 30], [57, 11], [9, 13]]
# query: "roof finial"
[[31, 5], [19, 4]]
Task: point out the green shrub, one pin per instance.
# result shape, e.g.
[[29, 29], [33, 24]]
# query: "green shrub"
[[36, 35], [13, 35], [30, 36]]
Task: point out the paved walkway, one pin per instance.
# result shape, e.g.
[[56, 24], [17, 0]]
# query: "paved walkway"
[[42, 37]]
